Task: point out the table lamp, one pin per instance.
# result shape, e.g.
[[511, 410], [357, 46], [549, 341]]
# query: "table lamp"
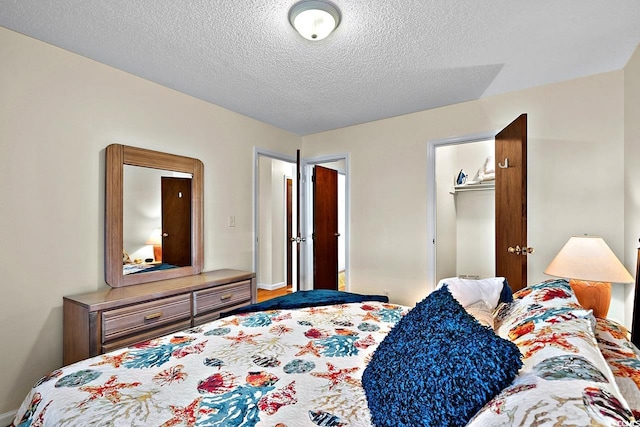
[[591, 266], [156, 240]]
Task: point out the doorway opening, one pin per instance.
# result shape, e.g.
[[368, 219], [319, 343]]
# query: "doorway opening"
[[510, 223], [276, 256], [274, 219], [454, 240], [340, 164], [465, 216]]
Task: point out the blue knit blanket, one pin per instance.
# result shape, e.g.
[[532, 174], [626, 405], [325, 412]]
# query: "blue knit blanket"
[[301, 299]]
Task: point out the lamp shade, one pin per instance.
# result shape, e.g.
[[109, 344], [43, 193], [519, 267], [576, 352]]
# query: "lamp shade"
[[155, 238], [588, 258], [314, 19]]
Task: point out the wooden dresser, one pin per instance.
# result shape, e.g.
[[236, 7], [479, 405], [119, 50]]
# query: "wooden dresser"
[[101, 321]]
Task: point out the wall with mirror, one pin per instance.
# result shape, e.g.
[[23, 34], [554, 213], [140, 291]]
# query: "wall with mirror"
[[133, 178]]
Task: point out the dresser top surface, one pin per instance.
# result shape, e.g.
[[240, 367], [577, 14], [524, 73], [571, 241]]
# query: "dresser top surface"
[[111, 297]]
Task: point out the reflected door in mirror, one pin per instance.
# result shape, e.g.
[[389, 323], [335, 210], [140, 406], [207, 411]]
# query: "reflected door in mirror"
[[176, 221]]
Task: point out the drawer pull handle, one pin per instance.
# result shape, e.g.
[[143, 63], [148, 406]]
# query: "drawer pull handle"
[[153, 316], [225, 297]]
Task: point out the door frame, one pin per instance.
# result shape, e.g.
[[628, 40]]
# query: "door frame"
[[306, 223], [432, 190], [257, 153]]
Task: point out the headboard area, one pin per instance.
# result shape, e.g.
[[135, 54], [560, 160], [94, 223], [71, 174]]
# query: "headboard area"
[[635, 322]]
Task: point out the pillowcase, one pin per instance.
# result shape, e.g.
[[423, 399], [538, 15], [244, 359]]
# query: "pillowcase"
[[437, 366], [481, 312], [564, 377], [469, 291], [537, 306], [564, 371], [623, 358]]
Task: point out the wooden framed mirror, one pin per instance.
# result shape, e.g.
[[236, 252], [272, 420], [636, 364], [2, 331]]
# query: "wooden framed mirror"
[[117, 157]]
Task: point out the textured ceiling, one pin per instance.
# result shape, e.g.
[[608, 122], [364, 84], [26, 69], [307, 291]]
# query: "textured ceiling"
[[387, 57]]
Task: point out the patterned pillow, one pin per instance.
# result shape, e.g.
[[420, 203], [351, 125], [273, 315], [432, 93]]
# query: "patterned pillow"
[[537, 305], [565, 376], [437, 366]]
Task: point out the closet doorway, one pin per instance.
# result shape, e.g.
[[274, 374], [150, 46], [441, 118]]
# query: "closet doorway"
[[465, 217], [510, 224]]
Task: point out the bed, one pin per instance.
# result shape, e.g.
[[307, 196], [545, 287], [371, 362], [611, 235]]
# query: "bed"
[[537, 358]]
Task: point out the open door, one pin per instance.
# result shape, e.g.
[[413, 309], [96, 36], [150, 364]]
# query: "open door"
[[511, 203], [176, 221], [298, 240], [325, 228], [289, 237]]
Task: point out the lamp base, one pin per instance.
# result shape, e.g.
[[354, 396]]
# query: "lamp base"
[[157, 253], [593, 295]]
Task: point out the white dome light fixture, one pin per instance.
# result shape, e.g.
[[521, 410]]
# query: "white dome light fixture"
[[314, 19]]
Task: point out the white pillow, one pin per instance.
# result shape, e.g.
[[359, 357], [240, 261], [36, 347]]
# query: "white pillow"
[[482, 312], [468, 291]]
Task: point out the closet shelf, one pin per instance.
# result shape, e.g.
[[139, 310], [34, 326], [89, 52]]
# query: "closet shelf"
[[483, 186]]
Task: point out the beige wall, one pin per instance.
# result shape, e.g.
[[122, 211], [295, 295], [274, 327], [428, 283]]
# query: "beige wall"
[[58, 112], [575, 178]]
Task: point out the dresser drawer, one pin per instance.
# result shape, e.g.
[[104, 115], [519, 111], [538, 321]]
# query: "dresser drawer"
[[220, 297], [142, 317], [145, 336], [215, 315]]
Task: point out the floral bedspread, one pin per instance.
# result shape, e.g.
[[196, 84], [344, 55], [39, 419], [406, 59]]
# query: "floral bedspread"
[[275, 368]]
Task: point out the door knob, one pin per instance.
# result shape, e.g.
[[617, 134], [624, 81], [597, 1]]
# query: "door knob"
[[165, 234], [520, 251]]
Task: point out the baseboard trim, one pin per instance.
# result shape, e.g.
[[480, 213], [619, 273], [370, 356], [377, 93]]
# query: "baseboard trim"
[[7, 417], [271, 287]]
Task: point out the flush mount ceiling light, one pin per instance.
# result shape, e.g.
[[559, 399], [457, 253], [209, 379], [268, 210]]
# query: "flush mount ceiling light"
[[314, 19]]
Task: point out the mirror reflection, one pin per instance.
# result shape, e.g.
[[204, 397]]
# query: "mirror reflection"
[[156, 219], [156, 183]]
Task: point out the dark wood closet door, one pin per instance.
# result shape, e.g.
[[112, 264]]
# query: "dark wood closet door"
[[511, 203]]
